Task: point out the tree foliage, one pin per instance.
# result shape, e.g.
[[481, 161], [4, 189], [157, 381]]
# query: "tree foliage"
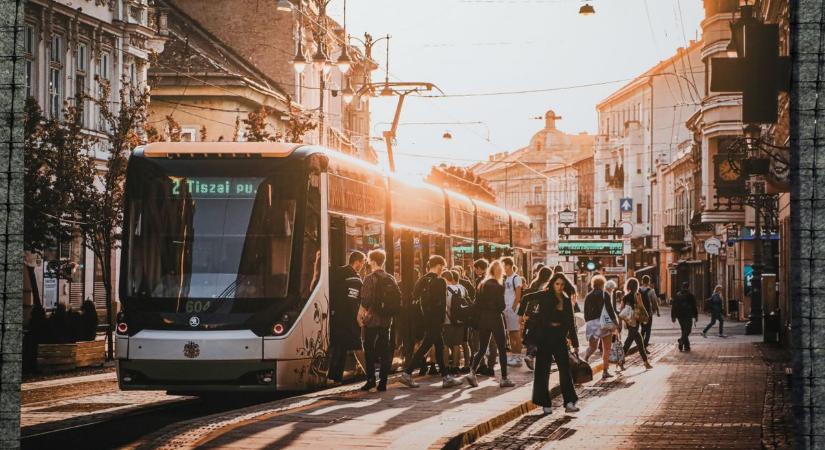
[[463, 180]]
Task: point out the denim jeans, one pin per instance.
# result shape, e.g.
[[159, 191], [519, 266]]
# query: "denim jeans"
[[713, 318]]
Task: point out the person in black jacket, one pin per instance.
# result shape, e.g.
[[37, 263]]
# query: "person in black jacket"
[[377, 322], [685, 311], [431, 289], [551, 323], [630, 299], [489, 307], [480, 267], [596, 304], [344, 332], [542, 278]]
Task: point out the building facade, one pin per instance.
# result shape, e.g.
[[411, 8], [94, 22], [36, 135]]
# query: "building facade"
[[69, 48], [641, 131], [538, 179]]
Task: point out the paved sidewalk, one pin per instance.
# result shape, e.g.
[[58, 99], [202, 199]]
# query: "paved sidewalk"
[[712, 397]]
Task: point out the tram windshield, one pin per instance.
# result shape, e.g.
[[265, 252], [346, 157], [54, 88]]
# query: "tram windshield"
[[211, 237]]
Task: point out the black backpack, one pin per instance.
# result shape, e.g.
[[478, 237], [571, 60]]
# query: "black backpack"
[[420, 300], [390, 296], [460, 308]]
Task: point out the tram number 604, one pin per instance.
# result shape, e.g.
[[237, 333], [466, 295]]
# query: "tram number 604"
[[196, 306]]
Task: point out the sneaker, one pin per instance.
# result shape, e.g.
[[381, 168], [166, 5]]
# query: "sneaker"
[[487, 371], [368, 385], [471, 379], [448, 382], [505, 383], [464, 370], [547, 410], [648, 366], [407, 380], [571, 407], [530, 362], [606, 375], [704, 334], [382, 386], [514, 361], [723, 335]]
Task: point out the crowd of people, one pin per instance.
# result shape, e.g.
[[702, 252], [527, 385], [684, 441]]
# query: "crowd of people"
[[465, 327]]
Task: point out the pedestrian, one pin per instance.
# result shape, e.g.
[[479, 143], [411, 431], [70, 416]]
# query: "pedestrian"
[[615, 297], [468, 331], [344, 332], [489, 307], [685, 311], [431, 289], [651, 302], [601, 321], [480, 267], [380, 300], [569, 288], [455, 333], [631, 299], [717, 307], [552, 324], [512, 298], [540, 281]]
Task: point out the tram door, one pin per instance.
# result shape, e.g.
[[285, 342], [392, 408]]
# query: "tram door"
[[411, 259], [337, 241]]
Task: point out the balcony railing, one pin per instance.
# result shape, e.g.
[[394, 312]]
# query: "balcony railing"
[[675, 235]]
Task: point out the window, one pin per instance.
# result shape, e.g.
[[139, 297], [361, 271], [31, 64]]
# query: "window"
[[638, 213], [537, 195], [638, 163], [607, 126], [606, 217], [56, 89], [188, 135], [29, 59], [103, 71], [81, 66]]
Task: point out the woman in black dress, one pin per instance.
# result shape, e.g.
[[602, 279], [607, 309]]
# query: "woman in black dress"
[[630, 299], [550, 322]]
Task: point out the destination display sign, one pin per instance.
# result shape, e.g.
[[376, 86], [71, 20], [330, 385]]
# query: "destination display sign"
[[590, 231], [590, 248], [217, 187]]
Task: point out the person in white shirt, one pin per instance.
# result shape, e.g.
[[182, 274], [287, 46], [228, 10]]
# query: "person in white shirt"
[[512, 298]]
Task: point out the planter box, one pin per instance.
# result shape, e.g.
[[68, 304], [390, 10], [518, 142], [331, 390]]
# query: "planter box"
[[61, 357]]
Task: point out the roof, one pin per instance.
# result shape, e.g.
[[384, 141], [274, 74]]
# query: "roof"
[[228, 149], [644, 77], [191, 49]]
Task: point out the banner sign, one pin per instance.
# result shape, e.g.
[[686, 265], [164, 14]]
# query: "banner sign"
[[590, 231], [590, 248]]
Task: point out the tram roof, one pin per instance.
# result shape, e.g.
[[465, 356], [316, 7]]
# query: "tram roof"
[[219, 149]]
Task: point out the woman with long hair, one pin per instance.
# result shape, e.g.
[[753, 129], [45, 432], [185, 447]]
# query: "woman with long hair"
[[541, 280], [489, 305], [601, 322], [631, 298], [551, 324]]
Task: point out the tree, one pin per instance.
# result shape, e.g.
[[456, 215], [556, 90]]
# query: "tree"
[[255, 126], [173, 129], [55, 159], [202, 133], [298, 124], [102, 197]]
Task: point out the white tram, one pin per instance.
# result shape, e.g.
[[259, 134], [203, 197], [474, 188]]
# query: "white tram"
[[227, 249]]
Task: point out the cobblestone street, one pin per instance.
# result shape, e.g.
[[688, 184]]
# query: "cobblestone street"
[[712, 397]]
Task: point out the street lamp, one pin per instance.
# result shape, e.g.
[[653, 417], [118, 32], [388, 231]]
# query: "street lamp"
[[587, 10], [300, 61], [347, 93], [344, 61]]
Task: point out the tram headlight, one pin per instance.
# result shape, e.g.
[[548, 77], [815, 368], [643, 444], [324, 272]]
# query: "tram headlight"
[[122, 328], [278, 329]]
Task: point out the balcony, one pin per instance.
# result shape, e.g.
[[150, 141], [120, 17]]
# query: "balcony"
[[675, 236]]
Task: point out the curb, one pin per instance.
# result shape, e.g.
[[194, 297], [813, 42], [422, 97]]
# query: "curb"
[[474, 433]]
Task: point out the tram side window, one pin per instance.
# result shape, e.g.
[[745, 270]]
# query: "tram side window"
[[363, 235]]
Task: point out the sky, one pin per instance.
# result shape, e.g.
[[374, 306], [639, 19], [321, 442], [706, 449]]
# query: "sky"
[[493, 46]]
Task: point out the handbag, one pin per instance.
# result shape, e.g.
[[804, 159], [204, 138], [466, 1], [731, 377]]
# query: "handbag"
[[641, 314], [580, 370], [606, 322], [616, 353], [627, 314]]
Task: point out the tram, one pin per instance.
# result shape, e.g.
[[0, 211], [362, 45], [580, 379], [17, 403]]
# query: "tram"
[[227, 249]]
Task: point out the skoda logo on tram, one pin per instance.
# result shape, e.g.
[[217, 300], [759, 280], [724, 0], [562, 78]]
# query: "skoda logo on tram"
[[194, 321]]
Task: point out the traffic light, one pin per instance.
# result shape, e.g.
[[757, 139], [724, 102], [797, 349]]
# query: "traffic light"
[[589, 264]]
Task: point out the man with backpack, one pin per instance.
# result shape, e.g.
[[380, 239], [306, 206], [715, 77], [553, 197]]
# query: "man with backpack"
[[651, 302], [345, 334], [431, 291], [685, 311], [380, 301]]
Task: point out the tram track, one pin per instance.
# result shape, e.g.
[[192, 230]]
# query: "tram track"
[[125, 428]]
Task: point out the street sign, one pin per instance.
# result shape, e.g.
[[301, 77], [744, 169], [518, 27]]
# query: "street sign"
[[590, 248], [627, 248], [567, 217], [626, 204], [627, 227], [712, 245], [590, 231], [614, 269]]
